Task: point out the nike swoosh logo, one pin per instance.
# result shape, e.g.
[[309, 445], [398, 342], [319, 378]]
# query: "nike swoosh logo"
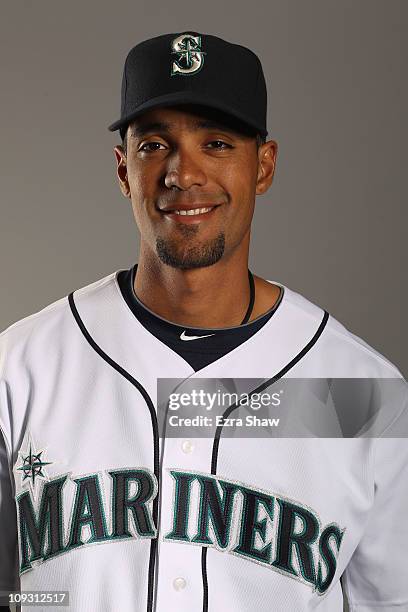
[[184, 337]]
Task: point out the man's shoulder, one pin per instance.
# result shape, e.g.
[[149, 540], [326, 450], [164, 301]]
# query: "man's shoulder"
[[50, 319], [338, 343]]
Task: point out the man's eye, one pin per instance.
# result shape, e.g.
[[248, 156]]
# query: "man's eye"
[[150, 144], [220, 142]]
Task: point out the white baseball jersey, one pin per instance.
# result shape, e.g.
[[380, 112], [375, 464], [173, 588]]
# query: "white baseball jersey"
[[92, 502]]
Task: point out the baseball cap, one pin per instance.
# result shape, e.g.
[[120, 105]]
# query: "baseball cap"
[[193, 68]]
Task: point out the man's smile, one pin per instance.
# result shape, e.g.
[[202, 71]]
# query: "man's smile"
[[190, 214]]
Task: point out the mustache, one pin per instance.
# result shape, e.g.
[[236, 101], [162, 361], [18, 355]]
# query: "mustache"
[[183, 198]]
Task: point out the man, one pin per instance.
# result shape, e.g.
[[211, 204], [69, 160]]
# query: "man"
[[99, 496]]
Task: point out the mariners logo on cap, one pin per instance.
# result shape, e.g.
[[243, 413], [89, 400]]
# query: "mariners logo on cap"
[[190, 58]]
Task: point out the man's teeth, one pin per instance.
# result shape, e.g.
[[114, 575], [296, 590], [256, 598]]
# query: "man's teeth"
[[191, 211]]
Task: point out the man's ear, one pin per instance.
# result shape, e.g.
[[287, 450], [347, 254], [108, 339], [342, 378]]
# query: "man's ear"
[[266, 165], [121, 170]]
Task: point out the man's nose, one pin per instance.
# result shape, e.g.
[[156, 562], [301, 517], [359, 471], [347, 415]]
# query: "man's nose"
[[184, 171]]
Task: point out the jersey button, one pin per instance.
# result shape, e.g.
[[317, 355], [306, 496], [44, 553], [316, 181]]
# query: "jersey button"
[[187, 447], [179, 584]]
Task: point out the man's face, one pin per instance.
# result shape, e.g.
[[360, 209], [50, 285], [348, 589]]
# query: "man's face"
[[178, 159]]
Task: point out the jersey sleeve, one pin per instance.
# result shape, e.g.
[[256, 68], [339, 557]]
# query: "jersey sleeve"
[[9, 577], [376, 579]]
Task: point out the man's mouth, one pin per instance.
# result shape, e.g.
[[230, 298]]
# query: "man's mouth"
[[192, 211], [190, 214]]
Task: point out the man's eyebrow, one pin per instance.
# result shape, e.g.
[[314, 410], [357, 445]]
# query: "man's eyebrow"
[[147, 128], [143, 129]]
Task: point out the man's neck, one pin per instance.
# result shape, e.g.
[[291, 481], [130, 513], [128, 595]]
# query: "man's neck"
[[213, 296], [216, 296]]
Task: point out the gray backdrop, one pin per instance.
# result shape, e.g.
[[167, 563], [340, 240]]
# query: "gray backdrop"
[[331, 227]]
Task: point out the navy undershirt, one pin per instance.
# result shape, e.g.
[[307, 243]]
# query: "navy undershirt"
[[198, 352]]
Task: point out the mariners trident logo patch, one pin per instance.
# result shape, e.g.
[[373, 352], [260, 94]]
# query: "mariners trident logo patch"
[[189, 58], [32, 464]]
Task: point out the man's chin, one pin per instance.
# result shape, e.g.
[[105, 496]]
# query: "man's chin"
[[192, 258]]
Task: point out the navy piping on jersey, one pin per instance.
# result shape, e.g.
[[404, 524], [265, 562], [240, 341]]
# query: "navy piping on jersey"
[[229, 410], [156, 463], [199, 352], [155, 429]]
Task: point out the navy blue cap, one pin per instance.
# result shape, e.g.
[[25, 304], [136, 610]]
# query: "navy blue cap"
[[193, 68]]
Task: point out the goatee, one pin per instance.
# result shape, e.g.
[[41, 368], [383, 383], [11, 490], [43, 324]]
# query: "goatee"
[[192, 257]]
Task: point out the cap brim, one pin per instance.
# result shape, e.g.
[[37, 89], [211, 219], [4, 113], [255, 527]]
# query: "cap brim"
[[184, 97]]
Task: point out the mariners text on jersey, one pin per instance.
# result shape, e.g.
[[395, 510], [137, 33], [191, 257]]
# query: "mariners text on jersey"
[[42, 534]]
